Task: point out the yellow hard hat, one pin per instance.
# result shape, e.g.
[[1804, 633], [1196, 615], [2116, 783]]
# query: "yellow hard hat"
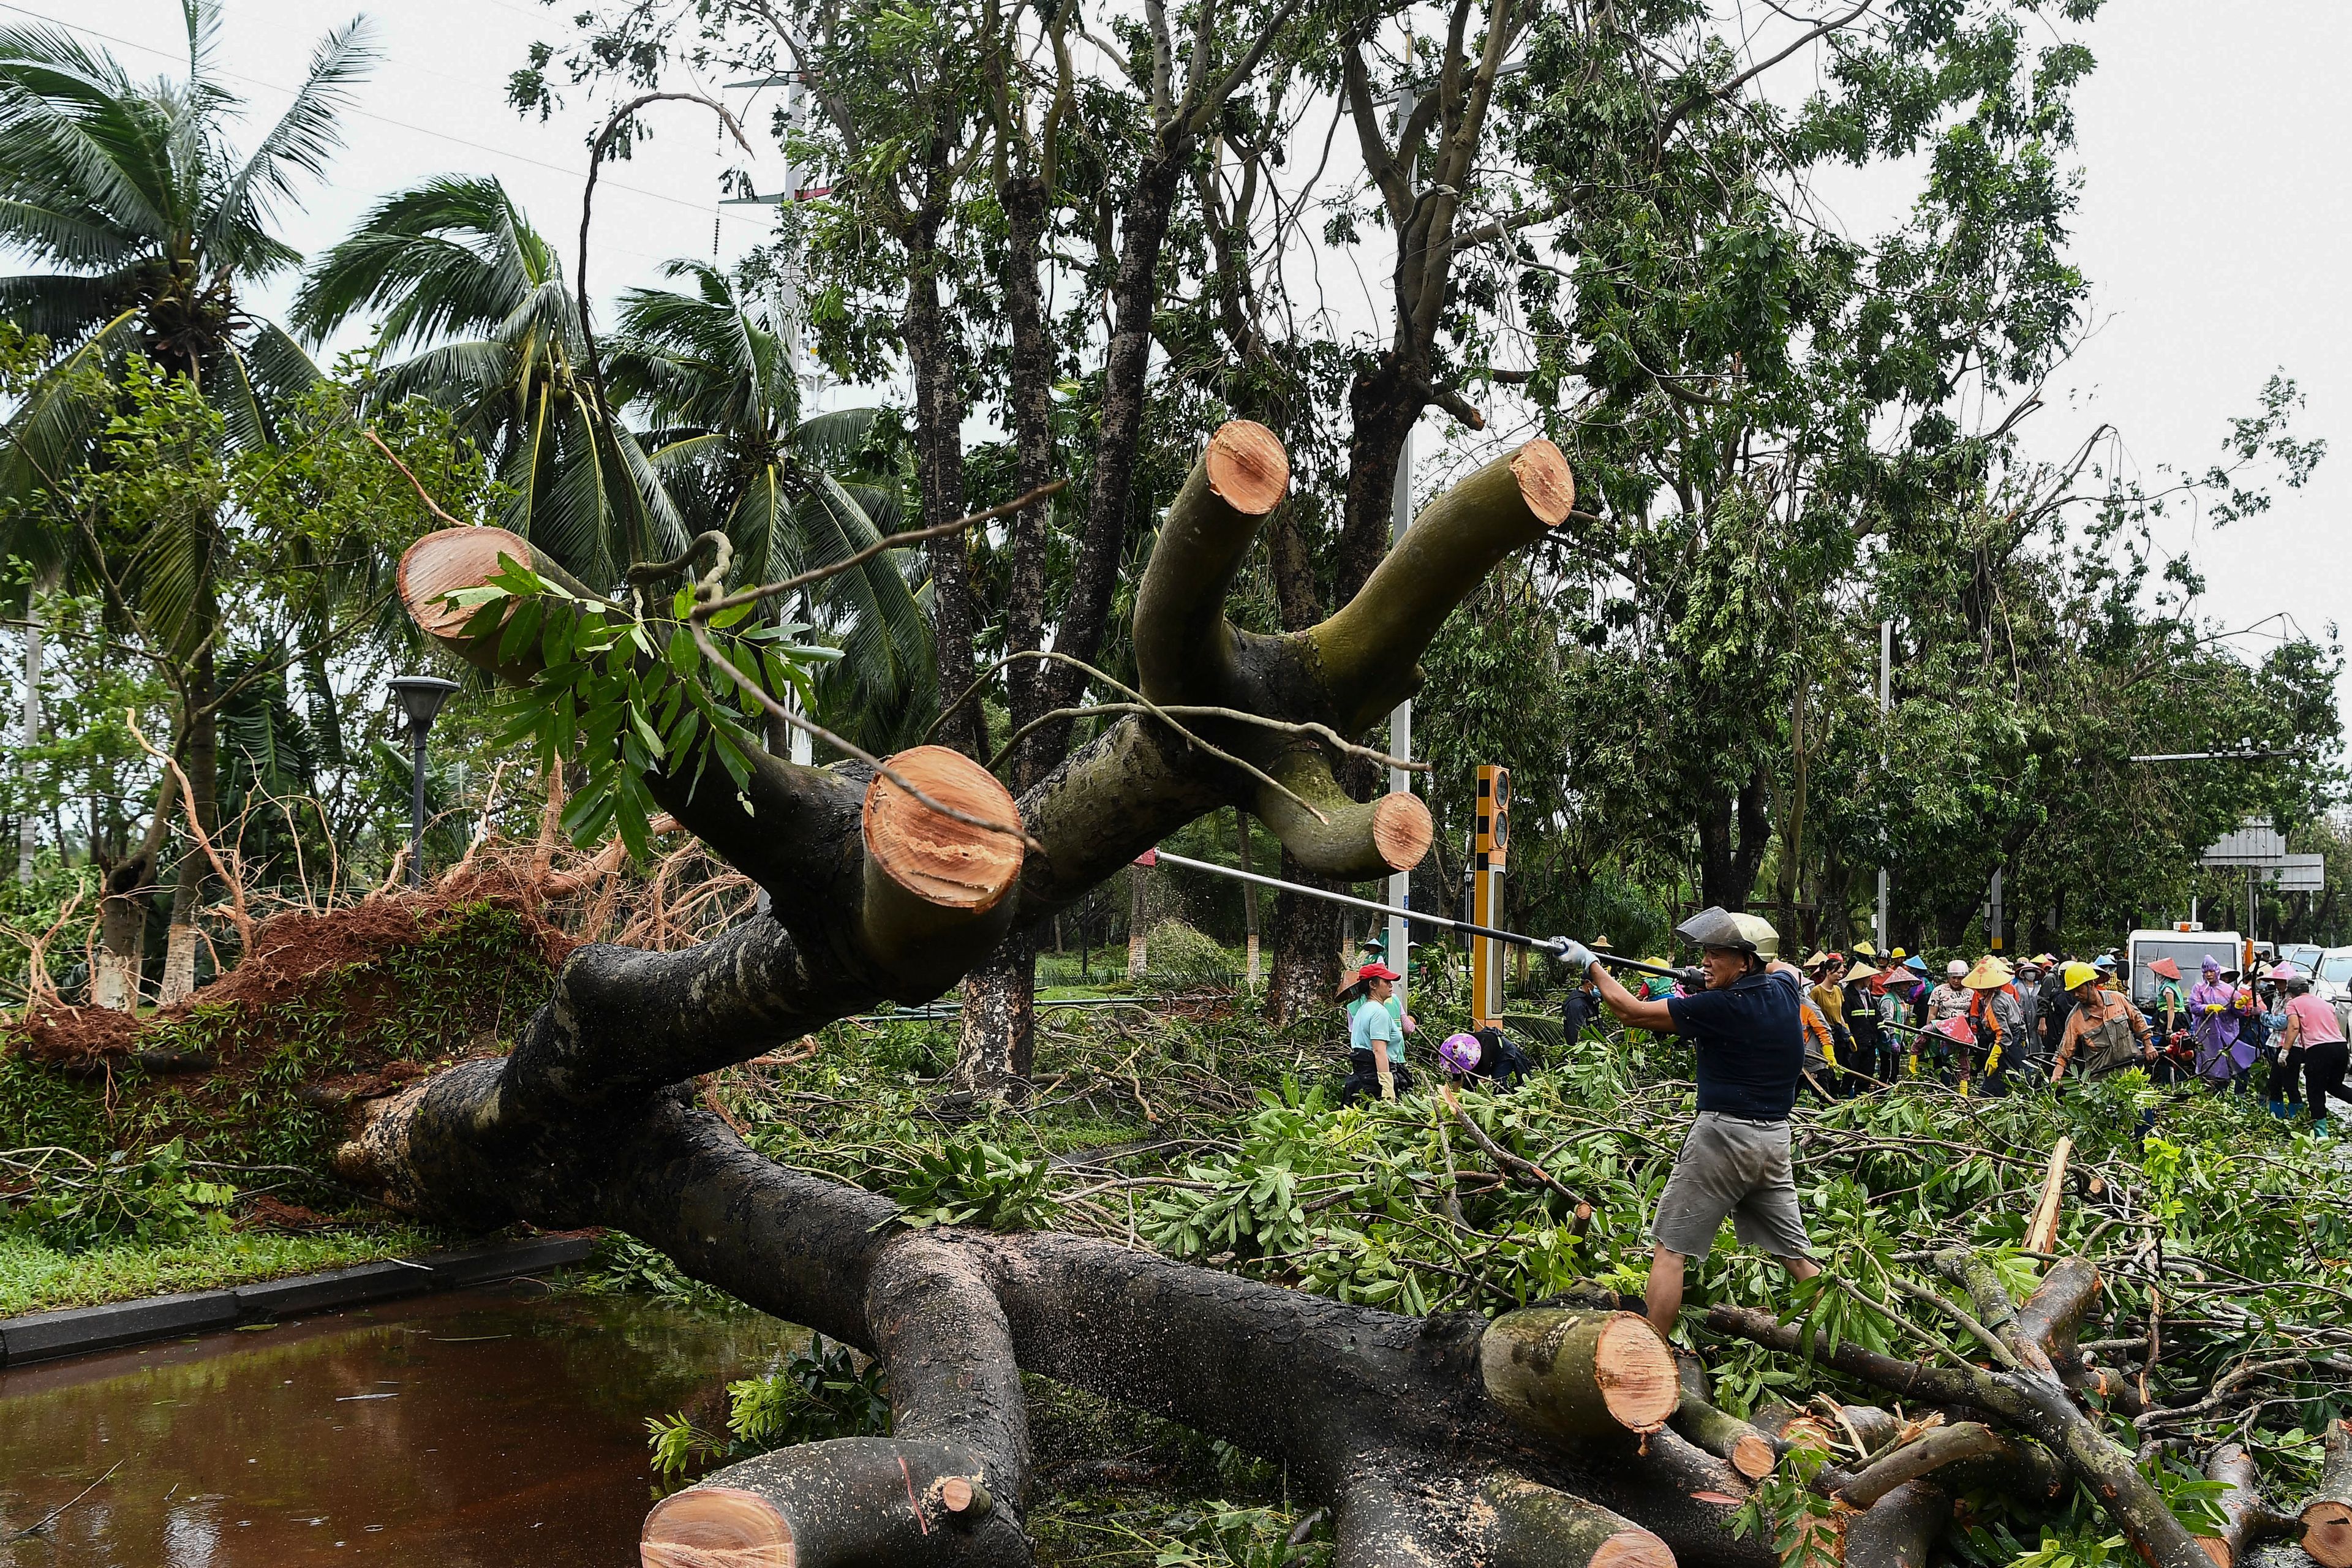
[[1898, 955], [2075, 975]]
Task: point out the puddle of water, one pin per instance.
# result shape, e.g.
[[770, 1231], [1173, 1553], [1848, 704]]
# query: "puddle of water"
[[494, 1428]]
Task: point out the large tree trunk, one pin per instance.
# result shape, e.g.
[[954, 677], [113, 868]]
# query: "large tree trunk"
[[202, 727], [1138, 922], [1305, 950], [1435, 1441], [1001, 994], [939, 460], [123, 907], [1732, 831]]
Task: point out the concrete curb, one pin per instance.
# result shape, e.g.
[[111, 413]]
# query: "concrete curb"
[[76, 1331]]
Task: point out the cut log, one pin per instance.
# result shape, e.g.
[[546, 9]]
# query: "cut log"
[[1739, 1443], [2251, 1521], [450, 559], [2042, 1230], [839, 1504], [924, 871], [1899, 1530], [1402, 830], [1545, 483], [1579, 1374], [707, 1526], [1246, 466], [1532, 1526], [2328, 1514]]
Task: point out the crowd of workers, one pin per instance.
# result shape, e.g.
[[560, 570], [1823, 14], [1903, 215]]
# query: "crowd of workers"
[[1761, 1030], [1985, 1027]]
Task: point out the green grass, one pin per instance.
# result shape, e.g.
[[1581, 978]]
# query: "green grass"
[[38, 1278]]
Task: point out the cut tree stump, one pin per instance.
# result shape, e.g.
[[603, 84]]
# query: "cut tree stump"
[[2327, 1515], [1578, 1373]]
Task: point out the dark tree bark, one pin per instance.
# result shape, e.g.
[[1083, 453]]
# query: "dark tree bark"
[[938, 452], [592, 1120], [1733, 830]]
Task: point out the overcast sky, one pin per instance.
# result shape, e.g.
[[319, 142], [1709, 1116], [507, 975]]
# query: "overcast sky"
[[2216, 141]]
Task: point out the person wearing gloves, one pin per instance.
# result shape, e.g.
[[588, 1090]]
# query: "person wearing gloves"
[[2213, 1005], [1375, 1036], [1998, 1016], [2104, 1028], [1830, 1002], [1747, 1039]]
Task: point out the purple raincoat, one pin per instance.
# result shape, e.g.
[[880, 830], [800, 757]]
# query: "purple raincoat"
[[2221, 1054]]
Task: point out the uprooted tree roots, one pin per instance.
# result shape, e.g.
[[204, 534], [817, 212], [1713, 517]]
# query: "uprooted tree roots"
[[1556, 1435]]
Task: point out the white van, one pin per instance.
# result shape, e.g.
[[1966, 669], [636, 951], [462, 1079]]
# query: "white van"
[[2187, 949]]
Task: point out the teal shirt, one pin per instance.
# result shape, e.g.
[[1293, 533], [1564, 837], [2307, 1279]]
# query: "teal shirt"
[[1386, 1022]]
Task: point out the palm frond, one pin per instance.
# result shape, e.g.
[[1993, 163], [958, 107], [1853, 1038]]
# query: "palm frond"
[[305, 136], [63, 308], [451, 255], [253, 385], [77, 134], [51, 433]]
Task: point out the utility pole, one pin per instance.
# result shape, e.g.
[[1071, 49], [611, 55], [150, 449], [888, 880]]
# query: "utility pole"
[[1885, 706], [1400, 747], [1397, 948]]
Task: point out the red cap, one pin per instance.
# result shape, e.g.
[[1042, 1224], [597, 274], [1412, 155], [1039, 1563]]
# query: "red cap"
[[1378, 972]]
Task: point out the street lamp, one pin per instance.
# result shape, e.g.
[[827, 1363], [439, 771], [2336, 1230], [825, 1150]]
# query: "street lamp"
[[420, 698]]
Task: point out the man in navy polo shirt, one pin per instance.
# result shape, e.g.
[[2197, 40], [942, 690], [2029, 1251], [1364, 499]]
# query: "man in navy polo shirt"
[[1747, 1037]]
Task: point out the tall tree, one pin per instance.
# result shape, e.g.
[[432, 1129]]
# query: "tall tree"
[[477, 296], [149, 230]]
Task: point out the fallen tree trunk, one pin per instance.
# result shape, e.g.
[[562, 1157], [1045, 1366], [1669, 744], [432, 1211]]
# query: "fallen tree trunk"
[[1439, 1440], [1743, 1445]]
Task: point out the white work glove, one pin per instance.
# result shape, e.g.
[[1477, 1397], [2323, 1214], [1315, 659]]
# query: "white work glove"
[[1573, 953]]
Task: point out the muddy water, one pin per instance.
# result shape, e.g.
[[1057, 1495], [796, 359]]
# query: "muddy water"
[[496, 1428]]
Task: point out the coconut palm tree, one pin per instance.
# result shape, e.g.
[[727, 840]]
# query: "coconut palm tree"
[[145, 228], [709, 370], [476, 297]]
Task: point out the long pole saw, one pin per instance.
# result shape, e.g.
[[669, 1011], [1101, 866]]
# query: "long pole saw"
[[1465, 928]]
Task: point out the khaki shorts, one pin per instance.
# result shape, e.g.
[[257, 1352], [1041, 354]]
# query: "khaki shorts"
[[1730, 1167]]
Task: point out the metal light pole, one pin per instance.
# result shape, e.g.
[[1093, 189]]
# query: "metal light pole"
[[420, 698], [1885, 706]]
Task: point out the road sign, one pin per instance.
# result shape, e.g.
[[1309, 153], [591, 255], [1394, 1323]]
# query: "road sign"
[[2255, 843], [2298, 874]]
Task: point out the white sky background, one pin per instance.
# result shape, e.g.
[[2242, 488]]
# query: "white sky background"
[[2216, 141]]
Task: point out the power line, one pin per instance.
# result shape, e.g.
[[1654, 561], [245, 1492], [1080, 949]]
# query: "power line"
[[369, 114]]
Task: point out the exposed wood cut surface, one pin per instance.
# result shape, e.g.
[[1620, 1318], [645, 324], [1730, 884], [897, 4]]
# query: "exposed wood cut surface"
[[443, 562], [945, 862]]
